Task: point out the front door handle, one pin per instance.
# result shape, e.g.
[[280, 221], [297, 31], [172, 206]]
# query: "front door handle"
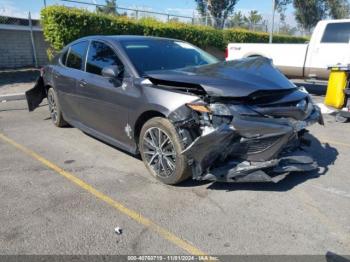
[[82, 83]]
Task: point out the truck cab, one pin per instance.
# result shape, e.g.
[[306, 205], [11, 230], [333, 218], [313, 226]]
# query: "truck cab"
[[329, 45]]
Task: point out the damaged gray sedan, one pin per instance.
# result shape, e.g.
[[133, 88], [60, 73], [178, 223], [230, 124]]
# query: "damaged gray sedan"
[[185, 112]]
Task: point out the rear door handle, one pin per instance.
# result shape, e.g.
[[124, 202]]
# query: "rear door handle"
[[82, 83]]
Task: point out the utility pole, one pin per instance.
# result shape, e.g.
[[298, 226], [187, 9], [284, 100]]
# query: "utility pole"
[[273, 20], [44, 3], [32, 40]]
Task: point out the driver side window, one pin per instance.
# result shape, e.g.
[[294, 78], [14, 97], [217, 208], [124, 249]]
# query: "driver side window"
[[101, 55]]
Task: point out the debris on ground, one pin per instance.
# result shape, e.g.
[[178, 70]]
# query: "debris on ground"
[[118, 230]]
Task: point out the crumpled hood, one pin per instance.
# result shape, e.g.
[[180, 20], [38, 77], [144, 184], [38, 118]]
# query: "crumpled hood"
[[239, 78]]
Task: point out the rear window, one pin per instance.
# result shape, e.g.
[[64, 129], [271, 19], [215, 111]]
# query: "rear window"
[[76, 55], [336, 33]]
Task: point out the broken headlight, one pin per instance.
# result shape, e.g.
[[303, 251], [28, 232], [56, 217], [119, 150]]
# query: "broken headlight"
[[216, 113], [221, 114]]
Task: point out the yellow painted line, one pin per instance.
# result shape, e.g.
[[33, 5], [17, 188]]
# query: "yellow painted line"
[[163, 232]]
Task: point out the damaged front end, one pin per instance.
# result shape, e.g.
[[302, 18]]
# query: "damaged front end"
[[256, 139]]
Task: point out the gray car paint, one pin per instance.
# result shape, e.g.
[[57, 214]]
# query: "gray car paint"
[[110, 109]]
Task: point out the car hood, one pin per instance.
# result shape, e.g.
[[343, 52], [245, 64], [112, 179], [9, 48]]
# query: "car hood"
[[238, 78]]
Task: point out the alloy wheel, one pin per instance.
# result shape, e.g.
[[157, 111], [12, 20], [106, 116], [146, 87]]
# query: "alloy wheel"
[[159, 152], [52, 106]]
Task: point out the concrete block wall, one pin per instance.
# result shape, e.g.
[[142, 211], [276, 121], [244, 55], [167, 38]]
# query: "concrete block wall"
[[16, 48]]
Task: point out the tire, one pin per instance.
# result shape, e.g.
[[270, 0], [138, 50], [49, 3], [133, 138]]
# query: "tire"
[[160, 160], [55, 109]]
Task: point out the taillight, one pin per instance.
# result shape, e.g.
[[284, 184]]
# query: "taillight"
[[226, 53]]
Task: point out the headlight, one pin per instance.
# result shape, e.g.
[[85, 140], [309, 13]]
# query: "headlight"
[[216, 113], [220, 110], [221, 114], [302, 105]]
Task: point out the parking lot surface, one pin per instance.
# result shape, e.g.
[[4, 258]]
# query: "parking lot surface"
[[64, 192]]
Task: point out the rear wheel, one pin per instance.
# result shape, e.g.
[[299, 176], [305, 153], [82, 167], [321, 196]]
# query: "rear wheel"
[[160, 148], [55, 109]]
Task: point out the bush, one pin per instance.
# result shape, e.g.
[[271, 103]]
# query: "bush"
[[62, 25]]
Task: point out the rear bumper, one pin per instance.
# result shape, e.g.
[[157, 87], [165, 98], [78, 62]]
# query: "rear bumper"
[[252, 150]]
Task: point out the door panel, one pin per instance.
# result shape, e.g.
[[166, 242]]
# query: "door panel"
[[103, 100], [65, 76], [104, 105], [65, 83]]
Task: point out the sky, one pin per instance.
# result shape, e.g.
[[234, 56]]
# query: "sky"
[[20, 8]]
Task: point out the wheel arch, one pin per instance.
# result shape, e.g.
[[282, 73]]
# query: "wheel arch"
[[256, 54], [142, 119]]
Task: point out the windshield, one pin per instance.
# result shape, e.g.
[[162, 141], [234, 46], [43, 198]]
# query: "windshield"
[[163, 54]]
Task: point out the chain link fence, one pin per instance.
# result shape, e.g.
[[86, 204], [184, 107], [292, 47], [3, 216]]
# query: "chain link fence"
[[139, 13], [135, 13]]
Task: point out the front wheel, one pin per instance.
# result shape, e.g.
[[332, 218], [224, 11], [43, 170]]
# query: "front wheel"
[[55, 109], [160, 147]]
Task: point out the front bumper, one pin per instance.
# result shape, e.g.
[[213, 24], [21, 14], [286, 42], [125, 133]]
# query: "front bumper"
[[252, 149]]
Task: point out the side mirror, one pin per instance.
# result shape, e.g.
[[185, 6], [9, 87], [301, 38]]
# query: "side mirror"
[[111, 71]]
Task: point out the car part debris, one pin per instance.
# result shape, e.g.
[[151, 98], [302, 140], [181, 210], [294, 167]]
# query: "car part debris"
[[118, 230]]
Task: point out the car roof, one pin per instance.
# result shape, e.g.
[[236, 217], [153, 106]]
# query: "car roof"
[[123, 38]]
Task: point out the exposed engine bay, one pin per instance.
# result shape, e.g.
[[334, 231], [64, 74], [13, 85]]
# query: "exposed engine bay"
[[254, 135], [260, 143]]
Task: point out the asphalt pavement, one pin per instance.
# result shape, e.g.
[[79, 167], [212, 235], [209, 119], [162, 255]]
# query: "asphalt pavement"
[[64, 192]]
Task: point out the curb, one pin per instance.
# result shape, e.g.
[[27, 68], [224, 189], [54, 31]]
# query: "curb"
[[12, 97]]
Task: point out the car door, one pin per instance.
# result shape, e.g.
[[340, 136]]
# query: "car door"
[[104, 101], [65, 76], [330, 49]]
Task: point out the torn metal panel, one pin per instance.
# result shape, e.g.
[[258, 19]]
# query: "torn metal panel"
[[269, 171], [36, 95], [208, 148], [251, 149]]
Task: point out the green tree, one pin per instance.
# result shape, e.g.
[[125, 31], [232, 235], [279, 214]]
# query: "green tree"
[[253, 17], [280, 7], [109, 8], [218, 10], [237, 19], [338, 9], [309, 12], [287, 29]]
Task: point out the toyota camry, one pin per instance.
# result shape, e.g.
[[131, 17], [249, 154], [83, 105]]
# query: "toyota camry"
[[185, 112]]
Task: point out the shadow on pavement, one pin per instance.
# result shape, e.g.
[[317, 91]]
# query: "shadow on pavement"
[[18, 76], [324, 154], [333, 257]]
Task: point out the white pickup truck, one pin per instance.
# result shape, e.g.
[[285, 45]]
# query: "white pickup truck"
[[329, 45]]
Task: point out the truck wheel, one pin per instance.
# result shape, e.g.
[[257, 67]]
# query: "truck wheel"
[[55, 109], [160, 147]]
